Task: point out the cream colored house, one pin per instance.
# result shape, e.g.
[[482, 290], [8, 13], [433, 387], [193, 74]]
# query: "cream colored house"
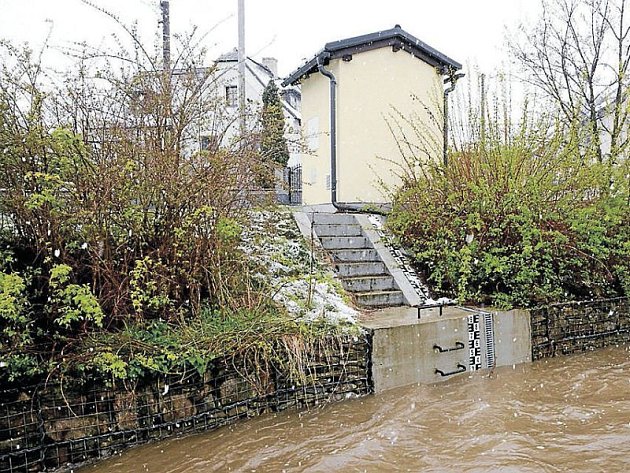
[[352, 92]]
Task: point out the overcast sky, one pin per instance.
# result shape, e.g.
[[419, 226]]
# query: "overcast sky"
[[469, 31]]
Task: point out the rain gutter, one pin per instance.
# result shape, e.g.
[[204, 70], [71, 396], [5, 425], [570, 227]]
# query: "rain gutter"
[[341, 206], [452, 78]]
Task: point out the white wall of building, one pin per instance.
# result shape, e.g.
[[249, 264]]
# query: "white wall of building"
[[226, 125]]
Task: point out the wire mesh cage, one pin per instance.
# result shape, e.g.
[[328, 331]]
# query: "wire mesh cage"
[[578, 326], [53, 425]]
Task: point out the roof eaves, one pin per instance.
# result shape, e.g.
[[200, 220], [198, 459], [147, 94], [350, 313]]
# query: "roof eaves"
[[442, 58], [398, 33], [372, 41], [307, 68]]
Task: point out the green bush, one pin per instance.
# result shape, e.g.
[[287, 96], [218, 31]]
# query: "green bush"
[[517, 219], [72, 303], [112, 215]]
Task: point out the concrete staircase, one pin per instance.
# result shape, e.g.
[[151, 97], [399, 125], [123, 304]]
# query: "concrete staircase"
[[357, 263]]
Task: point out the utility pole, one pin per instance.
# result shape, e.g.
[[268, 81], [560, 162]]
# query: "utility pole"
[[166, 65], [166, 35], [241, 66]]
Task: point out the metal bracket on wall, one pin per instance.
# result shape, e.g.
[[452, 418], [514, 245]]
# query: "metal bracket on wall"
[[460, 369], [458, 346]]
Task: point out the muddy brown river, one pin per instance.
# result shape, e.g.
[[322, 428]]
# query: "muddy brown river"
[[564, 414]]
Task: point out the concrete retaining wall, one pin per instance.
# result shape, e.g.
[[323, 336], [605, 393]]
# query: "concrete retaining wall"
[[438, 345], [512, 337]]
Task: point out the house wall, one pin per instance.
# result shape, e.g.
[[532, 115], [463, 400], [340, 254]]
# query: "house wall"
[[225, 126], [316, 132], [375, 89]]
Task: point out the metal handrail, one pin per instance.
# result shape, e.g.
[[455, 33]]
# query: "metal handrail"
[[460, 369], [458, 346]]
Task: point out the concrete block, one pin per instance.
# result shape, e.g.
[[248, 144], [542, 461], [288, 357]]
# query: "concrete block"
[[380, 298], [329, 229], [367, 268], [334, 243], [512, 337], [332, 218], [369, 283], [362, 254], [405, 354]]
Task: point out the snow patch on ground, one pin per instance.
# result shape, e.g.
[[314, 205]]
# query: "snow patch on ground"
[[311, 300], [304, 285], [440, 301]]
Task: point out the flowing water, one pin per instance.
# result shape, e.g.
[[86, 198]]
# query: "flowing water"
[[564, 414]]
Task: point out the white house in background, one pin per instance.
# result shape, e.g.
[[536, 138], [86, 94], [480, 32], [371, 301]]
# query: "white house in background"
[[226, 127]]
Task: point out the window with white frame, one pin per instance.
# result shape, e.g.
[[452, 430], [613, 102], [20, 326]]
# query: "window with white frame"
[[231, 95]]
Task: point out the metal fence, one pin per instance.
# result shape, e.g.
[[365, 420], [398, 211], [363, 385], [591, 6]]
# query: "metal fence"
[[294, 184], [561, 329], [50, 426]]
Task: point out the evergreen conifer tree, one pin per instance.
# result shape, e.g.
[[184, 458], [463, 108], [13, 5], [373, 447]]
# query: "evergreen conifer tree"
[[273, 145]]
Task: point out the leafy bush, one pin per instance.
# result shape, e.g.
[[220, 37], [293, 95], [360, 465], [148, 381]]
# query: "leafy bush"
[[517, 218], [112, 214], [72, 303]]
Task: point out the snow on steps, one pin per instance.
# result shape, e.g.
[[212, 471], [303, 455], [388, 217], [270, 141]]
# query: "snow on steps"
[[343, 243], [357, 263]]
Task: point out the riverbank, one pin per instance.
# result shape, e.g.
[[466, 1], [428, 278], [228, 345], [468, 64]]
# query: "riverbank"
[[54, 425], [60, 425], [559, 414], [152, 379]]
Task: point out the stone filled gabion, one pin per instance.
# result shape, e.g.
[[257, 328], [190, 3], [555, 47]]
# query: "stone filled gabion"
[[49, 427], [561, 329]]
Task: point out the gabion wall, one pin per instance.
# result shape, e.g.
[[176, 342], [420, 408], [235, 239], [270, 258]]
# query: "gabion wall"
[[561, 329], [50, 426]]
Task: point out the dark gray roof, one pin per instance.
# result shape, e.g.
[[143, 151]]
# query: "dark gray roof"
[[395, 37], [230, 56]]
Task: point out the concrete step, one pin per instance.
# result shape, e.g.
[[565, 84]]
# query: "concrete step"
[[369, 283], [380, 298], [345, 242], [330, 229], [362, 254], [367, 268], [330, 218]]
